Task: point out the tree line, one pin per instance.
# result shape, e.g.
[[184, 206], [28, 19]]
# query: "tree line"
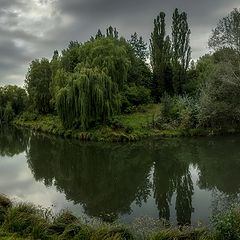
[[89, 83]]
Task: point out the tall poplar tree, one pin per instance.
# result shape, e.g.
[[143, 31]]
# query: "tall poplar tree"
[[160, 57], [181, 50]]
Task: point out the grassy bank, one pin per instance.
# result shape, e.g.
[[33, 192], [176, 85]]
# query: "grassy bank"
[[25, 221], [123, 128]]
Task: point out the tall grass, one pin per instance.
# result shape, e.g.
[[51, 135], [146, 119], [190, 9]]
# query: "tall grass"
[[26, 221]]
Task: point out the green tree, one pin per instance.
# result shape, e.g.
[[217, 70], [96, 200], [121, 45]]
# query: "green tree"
[[181, 50], [112, 32], [198, 74], [227, 32], [69, 59], [89, 97], [219, 99], [37, 82], [59, 81], [108, 54], [139, 46], [8, 113], [13, 100], [55, 63], [98, 34], [160, 49]]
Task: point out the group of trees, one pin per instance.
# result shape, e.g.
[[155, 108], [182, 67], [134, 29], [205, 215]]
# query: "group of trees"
[[213, 87], [88, 83], [219, 100], [170, 57], [91, 82]]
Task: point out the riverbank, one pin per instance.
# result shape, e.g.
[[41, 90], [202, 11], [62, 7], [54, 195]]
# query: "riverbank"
[[123, 128], [25, 221]]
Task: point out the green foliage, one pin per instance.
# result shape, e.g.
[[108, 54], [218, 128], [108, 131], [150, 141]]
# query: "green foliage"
[[37, 82], [98, 34], [160, 49], [90, 96], [135, 95], [178, 112], [219, 99], [69, 59], [170, 58], [62, 222], [8, 114], [112, 32], [199, 73], [13, 100], [138, 72], [59, 81], [227, 32], [55, 63], [107, 54], [84, 84], [227, 224], [181, 50], [26, 219], [139, 46]]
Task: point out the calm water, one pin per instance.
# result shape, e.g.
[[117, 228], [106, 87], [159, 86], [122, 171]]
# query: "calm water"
[[182, 180]]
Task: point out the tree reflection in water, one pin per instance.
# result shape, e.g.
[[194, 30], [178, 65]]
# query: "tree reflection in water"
[[172, 175], [13, 141], [104, 178]]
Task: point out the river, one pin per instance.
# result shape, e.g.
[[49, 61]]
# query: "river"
[[183, 180]]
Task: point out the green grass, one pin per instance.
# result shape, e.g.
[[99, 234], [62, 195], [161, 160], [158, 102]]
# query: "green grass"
[[141, 119], [134, 126], [123, 128], [26, 221]]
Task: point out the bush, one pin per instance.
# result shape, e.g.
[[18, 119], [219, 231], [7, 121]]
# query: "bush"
[[133, 96], [178, 112], [29, 116], [220, 98], [117, 124], [227, 224]]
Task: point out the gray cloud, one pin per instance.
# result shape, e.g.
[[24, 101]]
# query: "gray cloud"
[[34, 28]]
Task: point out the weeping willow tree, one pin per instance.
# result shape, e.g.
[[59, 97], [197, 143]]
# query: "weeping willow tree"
[[108, 54], [90, 96]]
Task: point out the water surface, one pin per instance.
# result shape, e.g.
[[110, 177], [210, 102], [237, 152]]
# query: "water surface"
[[182, 180]]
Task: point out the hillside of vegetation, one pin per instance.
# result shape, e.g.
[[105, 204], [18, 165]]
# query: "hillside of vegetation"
[[104, 89]]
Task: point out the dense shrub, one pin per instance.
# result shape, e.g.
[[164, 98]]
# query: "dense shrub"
[[220, 98], [227, 224], [133, 96], [178, 112]]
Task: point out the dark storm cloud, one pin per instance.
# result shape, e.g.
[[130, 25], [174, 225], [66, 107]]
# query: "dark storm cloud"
[[34, 28], [130, 16]]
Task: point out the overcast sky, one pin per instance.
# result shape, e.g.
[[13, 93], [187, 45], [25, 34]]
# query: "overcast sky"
[[32, 29]]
